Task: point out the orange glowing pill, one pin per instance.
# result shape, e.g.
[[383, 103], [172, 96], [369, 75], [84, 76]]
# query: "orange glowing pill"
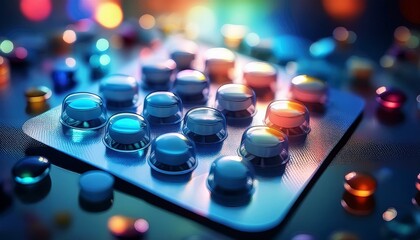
[[359, 184], [259, 74], [4, 70], [288, 116], [220, 64]]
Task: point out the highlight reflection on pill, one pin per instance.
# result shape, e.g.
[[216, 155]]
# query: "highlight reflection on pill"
[[31, 170], [359, 184], [308, 89]]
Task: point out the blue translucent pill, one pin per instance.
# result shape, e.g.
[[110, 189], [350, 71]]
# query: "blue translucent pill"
[[157, 75], [264, 147], [119, 91], [172, 154], [191, 86], [162, 108], [229, 176], [84, 111], [127, 132], [96, 186], [236, 101], [205, 125], [31, 170]]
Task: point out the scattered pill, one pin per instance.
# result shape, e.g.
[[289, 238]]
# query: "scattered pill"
[[31, 170]]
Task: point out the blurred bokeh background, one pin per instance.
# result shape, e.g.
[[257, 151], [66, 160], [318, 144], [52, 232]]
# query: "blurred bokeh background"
[[372, 21]]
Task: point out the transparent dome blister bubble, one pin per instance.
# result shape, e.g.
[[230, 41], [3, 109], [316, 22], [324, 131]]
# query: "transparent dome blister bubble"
[[157, 75], [83, 111], [184, 54], [220, 64], [191, 86], [172, 154], [127, 132], [205, 125], [264, 147], [236, 101], [119, 91], [162, 108], [230, 180]]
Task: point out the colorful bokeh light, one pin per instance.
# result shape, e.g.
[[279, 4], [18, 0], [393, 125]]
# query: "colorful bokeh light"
[[147, 21], [21, 53], [70, 62], [233, 34], [402, 34], [322, 47], [124, 227], [4, 72], [36, 10], [141, 225], [202, 21], [109, 14], [104, 59], [81, 9], [69, 36], [252, 39], [410, 10], [341, 34], [102, 45], [389, 214], [6, 46], [344, 9]]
